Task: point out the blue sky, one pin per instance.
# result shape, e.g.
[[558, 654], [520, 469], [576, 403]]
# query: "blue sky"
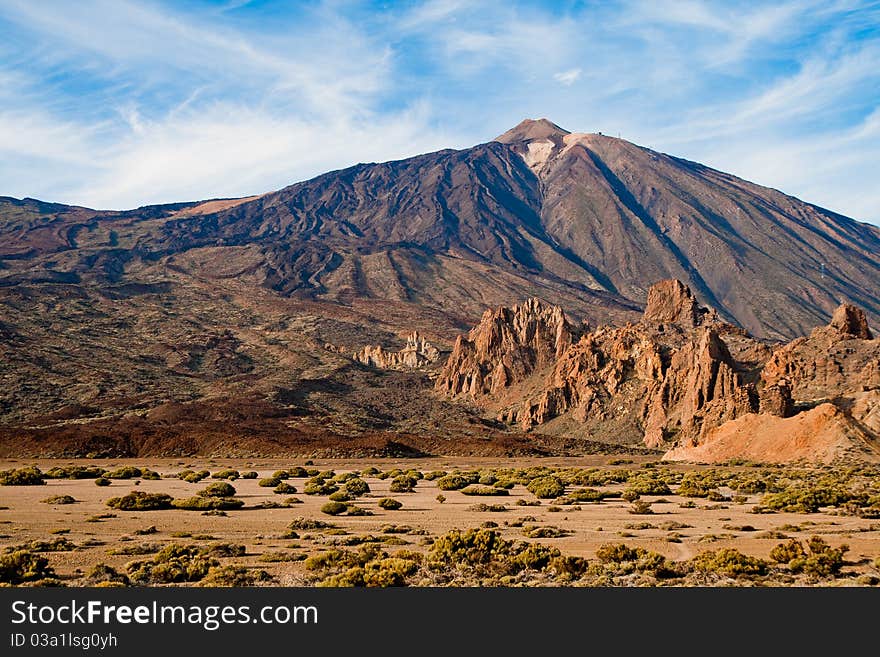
[[120, 103]]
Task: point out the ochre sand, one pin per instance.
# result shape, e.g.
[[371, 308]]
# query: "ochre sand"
[[261, 530]]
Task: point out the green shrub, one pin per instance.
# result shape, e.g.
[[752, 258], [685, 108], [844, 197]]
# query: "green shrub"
[[59, 544], [806, 499], [126, 472], [483, 508], [584, 495], [641, 507], [648, 484], [390, 504], [695, 484], [269, 482], [249, 475], [354, 510], [474, 546], [140, 501], [226, 474], [434, 474], [75, 472], [534, 531], [173, 564], [194, 477], [340, 496], [622, 559], [224, 550], [22, 477], [308, 524], [750, 486], [787, 552], [281, 557], [457, 480], [334, 508], [389, 571], [102, 574], [219, 489], [403, 484], [284, 489], [204, 503], [441, 498], [337, 560], [60, 499], [817, 558], [476, 489], [546, 487], [22, 566], [355, 486], [102, 481], [617, 553], [568, 567], [235, 576], [728, 562], [320, 487]]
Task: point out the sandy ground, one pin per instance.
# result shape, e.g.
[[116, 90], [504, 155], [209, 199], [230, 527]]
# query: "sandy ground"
[[710, 525]]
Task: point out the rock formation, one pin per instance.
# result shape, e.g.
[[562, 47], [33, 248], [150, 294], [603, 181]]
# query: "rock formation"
[[416, 353], [825, 385], [851, 321], [508, 345], [672, 372], [671, 301], [678, 379]]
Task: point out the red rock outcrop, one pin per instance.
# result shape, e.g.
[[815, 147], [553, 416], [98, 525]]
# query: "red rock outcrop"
[[508, 345], [826, 385], [851, 321], [417, 352], [659, 380], [680, 378], [672, 302], [700, 389], [833, 362]]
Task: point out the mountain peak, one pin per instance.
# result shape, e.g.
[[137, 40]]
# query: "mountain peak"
[[530, 129]]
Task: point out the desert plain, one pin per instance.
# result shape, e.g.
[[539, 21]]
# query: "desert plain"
[[615, 521]]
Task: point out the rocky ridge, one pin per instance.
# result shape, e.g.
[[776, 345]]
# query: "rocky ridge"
[[670, 380]]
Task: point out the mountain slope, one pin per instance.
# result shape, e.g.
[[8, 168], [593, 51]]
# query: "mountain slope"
[[261, 302], [771, 263], [582, 220]]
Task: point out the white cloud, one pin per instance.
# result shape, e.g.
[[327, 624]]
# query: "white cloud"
[[233, 150], [568, 77]]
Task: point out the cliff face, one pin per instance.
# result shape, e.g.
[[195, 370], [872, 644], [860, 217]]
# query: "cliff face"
[[671, 380], [507, 346], [672, 371]]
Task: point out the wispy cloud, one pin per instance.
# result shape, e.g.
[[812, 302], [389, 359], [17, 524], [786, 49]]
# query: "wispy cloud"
[[568, 77]]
